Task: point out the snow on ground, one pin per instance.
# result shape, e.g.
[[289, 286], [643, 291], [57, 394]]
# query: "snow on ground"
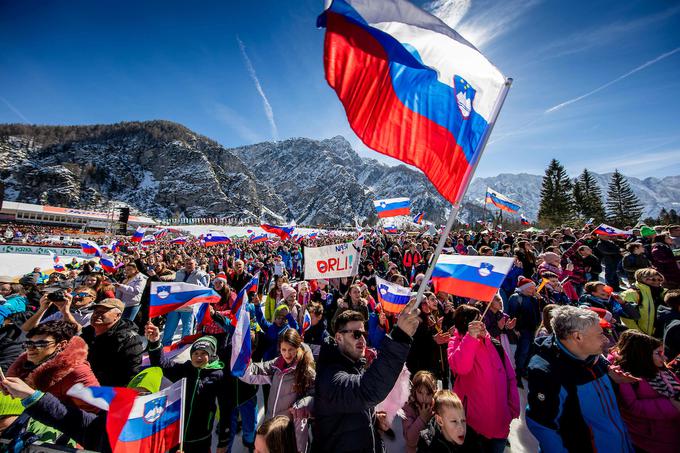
[[19, 264]]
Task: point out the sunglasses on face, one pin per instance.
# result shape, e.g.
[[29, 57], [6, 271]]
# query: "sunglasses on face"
[[82, 295], [356, 333], [40, 344]]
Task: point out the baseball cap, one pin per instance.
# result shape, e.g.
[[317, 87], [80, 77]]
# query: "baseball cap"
[[110, 303]]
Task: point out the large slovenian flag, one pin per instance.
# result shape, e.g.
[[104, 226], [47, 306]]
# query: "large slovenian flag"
[[412, 87], [501, 201], [255, 239], [168, 296], [606, 230], [58, 267], [138, 235], [281, 231], [392, 207], [476, 277], [211, 239], [90, 248], [392, 297], [150, 423]]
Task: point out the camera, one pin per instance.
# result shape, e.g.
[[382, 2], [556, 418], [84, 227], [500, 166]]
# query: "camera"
[[57, 296]]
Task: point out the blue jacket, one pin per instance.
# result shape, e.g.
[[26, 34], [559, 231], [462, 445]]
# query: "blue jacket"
[[527, 311], [14, 304], [571, 403], [272, 332]]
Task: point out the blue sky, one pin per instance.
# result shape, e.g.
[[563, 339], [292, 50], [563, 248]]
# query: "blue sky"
[[596, 82]]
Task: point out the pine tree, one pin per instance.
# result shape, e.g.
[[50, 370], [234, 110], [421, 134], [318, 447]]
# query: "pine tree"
[[556, 196], [588, 197], [623, 206]]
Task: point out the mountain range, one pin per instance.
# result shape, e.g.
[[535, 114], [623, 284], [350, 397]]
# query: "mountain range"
[[165, 170]]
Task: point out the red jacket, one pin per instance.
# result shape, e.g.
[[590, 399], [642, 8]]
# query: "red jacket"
[[411, 259], [58, 374]]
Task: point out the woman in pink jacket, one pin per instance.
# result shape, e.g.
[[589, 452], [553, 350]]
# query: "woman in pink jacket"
[[485, 380], [650, 407]]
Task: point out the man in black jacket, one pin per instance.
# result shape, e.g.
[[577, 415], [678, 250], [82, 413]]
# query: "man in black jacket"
[[115, 348], [346, 392]]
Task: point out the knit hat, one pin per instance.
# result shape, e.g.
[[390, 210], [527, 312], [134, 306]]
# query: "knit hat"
[[523, 282], [10, 405], [279, 309], [646, 231], [207, 343], [149, 379], [287, 290]]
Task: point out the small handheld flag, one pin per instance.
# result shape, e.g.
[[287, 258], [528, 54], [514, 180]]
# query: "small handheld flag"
[[90, 248], [606, 230], [168, 296], [306, 323], [180, 240], [107, 263], [392, 297], [138, 235], [281, 231], [418, 218], [523, 219], [392, 207], [57, 265], [501, 201]]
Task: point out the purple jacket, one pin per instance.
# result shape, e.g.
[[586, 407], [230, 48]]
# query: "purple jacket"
[[652, 420]]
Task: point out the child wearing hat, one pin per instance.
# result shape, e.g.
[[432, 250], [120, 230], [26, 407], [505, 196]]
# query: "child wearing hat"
[[204, 390]]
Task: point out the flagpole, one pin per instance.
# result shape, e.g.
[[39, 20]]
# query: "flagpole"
[[181, 415], [456, 207]]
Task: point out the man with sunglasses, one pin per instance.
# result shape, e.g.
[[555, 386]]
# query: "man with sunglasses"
[[75, 308], [347, 391]]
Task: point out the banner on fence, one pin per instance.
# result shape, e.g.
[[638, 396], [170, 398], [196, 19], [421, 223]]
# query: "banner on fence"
[[332, 261]]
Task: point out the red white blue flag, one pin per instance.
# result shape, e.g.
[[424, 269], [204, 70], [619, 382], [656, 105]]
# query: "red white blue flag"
[[90, 248], [212, 239], [475, 277], [392, 207], [306, 323], [501, 201], [418, 218], [412, 87], [606, 230], [281, 231], [107, 263], [168, 296], [57, 264], [257, 239], [523, 219], [392, 297], [149, 423], [160, 234], [138, 235], [241, 348]]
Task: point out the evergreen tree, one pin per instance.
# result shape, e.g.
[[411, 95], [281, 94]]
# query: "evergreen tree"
[[588, 197], [623, 206], [556, 196]]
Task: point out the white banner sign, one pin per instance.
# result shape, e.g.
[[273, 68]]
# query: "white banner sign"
[[43, 250], [332, 261]]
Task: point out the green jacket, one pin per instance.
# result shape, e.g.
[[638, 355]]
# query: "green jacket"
[[641, 295]]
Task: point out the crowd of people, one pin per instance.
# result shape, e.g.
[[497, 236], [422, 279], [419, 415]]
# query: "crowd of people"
[[588, 326]]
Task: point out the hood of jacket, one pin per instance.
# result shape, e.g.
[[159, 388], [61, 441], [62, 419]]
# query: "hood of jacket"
[[53, 370], [330, 355], [551, 349]]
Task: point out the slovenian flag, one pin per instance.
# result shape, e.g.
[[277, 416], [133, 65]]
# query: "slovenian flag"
[[306, 323], [138, 235], [523, 219], [175, 349], [107, 263], [57, 265], [501, 201], [114, 247], [150, 423], [590, 221], [255, 239], [148, 240], [180, 240], [418, 218], [168, 296], [281, 231], [241, 348], [475, 277], [431, 93], [390, 229], [211, 239], [90, 248], [160, 234], [313, 235], [606, 230], [392, 297], [392, 207]]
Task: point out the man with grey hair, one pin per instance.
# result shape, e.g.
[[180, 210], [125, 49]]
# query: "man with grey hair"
[[571, 401]]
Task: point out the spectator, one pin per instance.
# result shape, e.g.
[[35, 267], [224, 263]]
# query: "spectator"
[[665, 262], [646, 294], [448, 431], [115, 348], [130, 291], [523, 306], [190, 274], [418, 408], [668, 323], [316, 334], [633, 260], [346, 394], [651, 406], [479, 363], [239, 277], [55, 360], [571, 401], [11, 343], [610, 256], [276, 435]]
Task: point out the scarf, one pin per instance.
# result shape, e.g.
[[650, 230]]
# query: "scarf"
[[665, 384]]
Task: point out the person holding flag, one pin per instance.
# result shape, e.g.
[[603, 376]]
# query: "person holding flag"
[[204, 392]]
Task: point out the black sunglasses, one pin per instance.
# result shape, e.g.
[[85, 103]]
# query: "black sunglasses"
[[40, 344], [356, 333]]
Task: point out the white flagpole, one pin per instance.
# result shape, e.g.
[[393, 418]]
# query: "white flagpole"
[[456, 207], [181, 415]]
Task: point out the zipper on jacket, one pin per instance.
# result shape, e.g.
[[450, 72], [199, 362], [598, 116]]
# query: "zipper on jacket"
[[278, 392]]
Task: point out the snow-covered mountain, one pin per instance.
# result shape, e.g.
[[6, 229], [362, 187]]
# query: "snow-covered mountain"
[[163, 169]]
